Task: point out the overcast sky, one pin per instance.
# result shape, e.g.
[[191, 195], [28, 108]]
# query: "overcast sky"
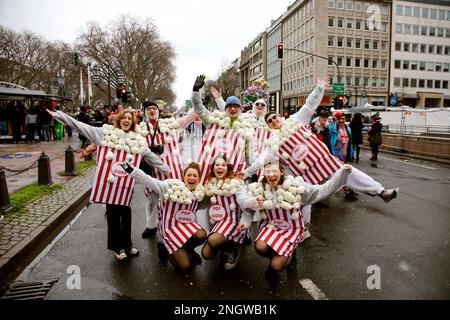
[[204, 33]]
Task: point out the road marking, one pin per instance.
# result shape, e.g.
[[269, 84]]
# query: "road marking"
[[312, 289], [405, 162]]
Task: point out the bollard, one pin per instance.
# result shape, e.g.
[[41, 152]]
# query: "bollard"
[[70, 162], [44, 172], [5, 204]]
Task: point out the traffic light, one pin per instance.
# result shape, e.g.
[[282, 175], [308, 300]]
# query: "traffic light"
[[76, 58], [280, 48], [124, 95]]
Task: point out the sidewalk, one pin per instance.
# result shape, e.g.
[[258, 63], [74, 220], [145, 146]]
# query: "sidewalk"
[[23, 234]]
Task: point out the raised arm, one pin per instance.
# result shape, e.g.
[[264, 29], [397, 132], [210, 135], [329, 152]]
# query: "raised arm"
[[257, 164], [160, 187], [312, 102], [94, 134], [244, 200], [316, 193], [217, 94], [196, 99], [186, 120]]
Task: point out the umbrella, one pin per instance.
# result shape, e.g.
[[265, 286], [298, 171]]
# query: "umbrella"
[[359, 109]]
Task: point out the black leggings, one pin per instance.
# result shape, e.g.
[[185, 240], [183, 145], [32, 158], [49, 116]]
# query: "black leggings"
[[374, 148], [119, 227]]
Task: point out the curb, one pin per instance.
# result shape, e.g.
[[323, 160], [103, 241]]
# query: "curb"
[[23, 253]]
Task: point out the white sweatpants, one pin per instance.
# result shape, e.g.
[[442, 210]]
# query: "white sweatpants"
[[306, 214], [359, 181], [151, 210]]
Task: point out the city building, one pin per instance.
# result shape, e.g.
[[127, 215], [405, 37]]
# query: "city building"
[[420, 59], [274, 65], [353, 34]]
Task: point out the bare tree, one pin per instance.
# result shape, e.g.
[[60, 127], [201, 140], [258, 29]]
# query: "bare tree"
[[135, 49], [227, 79]]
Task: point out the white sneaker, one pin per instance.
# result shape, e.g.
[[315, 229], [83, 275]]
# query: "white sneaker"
[[121, 255], [133, 251], [305, 235], [1, 217]]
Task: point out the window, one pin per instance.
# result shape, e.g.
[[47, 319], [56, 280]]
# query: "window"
[[331, 22], [447, 51], [339, 61], [407, 29], [430, 84], [367, 44], [408, 11], [340, 41], [444, 84], [375, 64], [357, 81], [430, 48], [445, 67], [383, 64], [415, 47], [349, 24], [423, 48], [432, 31], [423, 31], [448, 14], [438, 67], [440, 32], [430, 66], [348, 62], [374, 82], [421, 83], [414, 65], [447, 33], [331, 41], [366, 81], [349, 79], [375, 45], [382, 83], [330, 3], [438, 49], [330, 60], [384, 45], [397, 82], [358, 6], [406, 47], [399, 10], [415, 30], [358, 62], [366, 63], [441, 15], [398, 46], [398, 28], [340, 4], [348, 4], [340, 22], [349, 42], [416, 12], [358, 24], [358, 43], [384, 26], [424, 12], [433, 13], [397, 64], [405, 82], [405, 65], [413, 83], [422, 66]]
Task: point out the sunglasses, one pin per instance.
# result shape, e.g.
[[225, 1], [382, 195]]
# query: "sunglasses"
[[260, 104], [271, 119]]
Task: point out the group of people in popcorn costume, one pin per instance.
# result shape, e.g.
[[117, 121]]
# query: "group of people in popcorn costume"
[[253, 163]]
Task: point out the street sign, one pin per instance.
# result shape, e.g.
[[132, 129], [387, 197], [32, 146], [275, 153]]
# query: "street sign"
[[393, 100], [188, 103], [338, 88]]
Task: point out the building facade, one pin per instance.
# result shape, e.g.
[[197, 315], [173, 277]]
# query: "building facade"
[[420, 59], [258, 58], [274, 65]]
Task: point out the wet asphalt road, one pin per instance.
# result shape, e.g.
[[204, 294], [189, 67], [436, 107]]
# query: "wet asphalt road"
[[408, 239]]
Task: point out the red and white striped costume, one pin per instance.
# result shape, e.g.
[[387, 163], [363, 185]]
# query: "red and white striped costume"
[[171, 156], [286, 233], [227, 226], [227, 144], [121, 191], [262, 135], [174, 233], [320, 163]]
